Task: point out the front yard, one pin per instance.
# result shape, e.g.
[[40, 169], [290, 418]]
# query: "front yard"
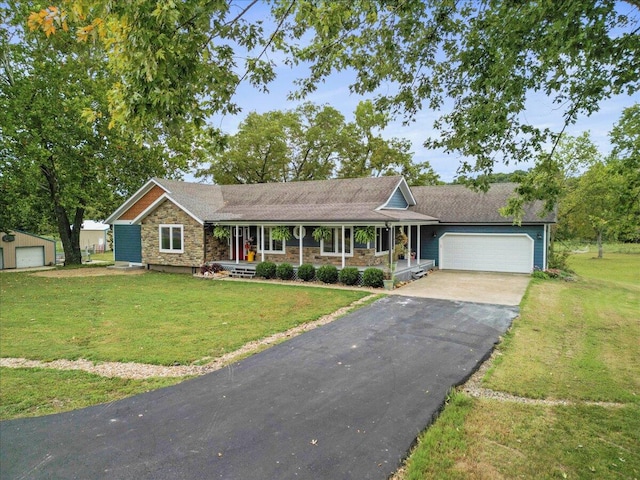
[[573, 359], [151, 318]]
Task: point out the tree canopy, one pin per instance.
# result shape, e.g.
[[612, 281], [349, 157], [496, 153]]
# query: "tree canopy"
[[478, 63], [314, 143], [59, 160]]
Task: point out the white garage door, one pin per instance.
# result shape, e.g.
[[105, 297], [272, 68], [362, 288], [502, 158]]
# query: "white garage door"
[[29, 257], [486, 252]]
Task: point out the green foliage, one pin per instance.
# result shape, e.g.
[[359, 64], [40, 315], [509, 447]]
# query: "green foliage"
[[313, 143], [540, 274], [281, 233], [321, 233], [373, 277], [221, 232], [306, 272], [558, 258], [266, 270], [284, 271], [364, 235], [349, 275], [327, 274]]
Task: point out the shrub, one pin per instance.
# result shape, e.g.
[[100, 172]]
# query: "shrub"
[[349, 275], [284, 271], [209, 268], [266, 270], [372, 277], [540, 274], [327, 274], [306, 272], [558, 259]]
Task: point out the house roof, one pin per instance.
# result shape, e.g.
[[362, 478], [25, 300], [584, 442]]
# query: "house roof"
[[459, 204], [361, 199]]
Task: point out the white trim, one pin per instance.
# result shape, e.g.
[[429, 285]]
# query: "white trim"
[[171, 227], [156, 203], [276, 252], [132, 200], [544, 247], [406, 192], [297, 229], [300, 243], [443, 266], [338, 254]]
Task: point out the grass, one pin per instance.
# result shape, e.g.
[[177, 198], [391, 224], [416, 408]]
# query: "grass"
[[29, 392], [150, 318], [574, 341]]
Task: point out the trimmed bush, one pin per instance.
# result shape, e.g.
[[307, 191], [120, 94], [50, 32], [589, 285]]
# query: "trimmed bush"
[[306, 272], [266, 270], [284, 271], [372, 277], [349, 275], [327, 274]]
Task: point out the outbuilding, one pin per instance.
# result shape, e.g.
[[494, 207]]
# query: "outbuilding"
[[25, 250]]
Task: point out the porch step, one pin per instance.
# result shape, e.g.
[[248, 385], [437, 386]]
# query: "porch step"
[[242, 272], [418, 273]]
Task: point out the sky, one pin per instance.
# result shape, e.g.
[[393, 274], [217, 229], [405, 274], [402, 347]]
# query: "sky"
[[335, 92]]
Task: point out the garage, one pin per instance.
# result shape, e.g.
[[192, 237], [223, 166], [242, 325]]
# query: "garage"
[[486, 252], [29, 257]]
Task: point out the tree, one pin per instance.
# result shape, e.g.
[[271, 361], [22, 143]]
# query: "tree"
[[314, 143], [59, 158], [486, 59], [278, 146]]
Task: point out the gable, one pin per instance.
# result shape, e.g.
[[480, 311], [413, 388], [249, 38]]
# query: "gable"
[[397, 200], [141, 205]]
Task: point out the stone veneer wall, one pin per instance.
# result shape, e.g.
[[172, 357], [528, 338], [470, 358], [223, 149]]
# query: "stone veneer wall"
[[217, 249], [193, 238]]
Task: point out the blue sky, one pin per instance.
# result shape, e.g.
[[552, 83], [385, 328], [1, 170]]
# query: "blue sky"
[[335, 92]]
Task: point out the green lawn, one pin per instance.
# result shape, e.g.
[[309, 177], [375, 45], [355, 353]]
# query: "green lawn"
[[576, 341], [150, 318]]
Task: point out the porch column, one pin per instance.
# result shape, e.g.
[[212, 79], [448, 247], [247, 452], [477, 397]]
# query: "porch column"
[[300, 243], [343, 255], [262, 243], [418, 246], [409, 246], [392, 238], [237, 237]]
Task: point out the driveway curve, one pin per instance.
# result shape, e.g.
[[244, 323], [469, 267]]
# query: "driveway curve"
[[346, 400]]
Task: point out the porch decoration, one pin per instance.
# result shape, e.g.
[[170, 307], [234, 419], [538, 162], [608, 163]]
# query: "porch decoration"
[[221, 232], [365, 235], [281, 233], [321, 233]]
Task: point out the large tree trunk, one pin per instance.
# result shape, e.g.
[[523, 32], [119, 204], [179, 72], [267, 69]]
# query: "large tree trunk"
[[69, 237]]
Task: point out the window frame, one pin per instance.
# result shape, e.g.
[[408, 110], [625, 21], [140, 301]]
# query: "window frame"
[[381, 232], [172, 228], [337, 234], [269, 248]]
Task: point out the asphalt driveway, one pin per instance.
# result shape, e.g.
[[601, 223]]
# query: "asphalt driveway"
[[479, 287], [343, 401]]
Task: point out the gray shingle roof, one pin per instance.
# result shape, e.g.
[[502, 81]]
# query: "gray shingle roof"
[[459, 204], [336, 200], [355, 199]]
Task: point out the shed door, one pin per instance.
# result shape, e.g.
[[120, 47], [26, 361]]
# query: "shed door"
[[29, 257], [486, 252]]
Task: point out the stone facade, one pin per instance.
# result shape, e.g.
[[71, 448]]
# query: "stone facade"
[[193, 238]]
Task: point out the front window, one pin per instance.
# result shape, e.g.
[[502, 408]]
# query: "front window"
[[332, 245], [271, 245], [382, 240], [171, 238]]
